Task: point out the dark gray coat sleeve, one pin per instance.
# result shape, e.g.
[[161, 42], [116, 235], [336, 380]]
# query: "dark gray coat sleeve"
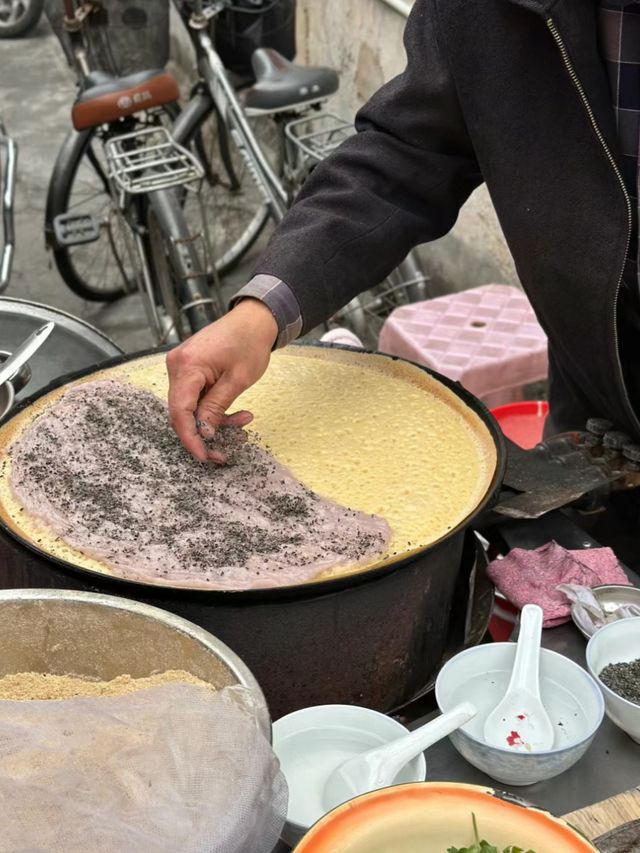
[[398, 182]]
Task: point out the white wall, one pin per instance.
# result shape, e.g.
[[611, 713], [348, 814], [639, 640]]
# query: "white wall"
[[363, 39]]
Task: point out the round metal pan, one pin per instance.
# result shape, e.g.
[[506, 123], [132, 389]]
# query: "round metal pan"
[[610, 597]]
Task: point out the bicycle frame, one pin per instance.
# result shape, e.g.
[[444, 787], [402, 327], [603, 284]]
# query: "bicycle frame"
[[8, 183], [75, 13], [226, 102], [307, 140]]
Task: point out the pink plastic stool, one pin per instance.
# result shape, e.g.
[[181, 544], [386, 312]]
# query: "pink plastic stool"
[[486, 338]]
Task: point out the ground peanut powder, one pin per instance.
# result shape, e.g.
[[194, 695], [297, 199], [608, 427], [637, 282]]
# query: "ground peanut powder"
[[39, 685]]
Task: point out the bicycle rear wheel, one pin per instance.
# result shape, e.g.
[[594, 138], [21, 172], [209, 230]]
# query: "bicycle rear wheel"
[[233, 206], [101, 270]]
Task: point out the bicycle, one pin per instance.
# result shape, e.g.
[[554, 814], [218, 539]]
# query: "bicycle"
[[256, 140], [265, 140], [114, 217]]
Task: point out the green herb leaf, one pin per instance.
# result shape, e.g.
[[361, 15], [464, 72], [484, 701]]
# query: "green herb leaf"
[[476, 847], [514, 849], [479, 846], [485, 847]]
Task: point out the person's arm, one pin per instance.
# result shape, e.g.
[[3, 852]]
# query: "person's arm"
[[398, 182], [211, 369]]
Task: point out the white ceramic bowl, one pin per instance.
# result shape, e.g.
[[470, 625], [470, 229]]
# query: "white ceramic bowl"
[[613, 643], [570, 695], [310, 744]]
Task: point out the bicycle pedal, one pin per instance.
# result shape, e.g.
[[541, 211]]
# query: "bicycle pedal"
[[74, 229]]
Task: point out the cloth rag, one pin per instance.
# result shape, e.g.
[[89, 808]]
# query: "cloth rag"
[[531, 577]]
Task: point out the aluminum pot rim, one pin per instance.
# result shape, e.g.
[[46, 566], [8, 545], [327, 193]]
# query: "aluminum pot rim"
[[311, 588], [7, 405], [228, 657], [60, 313]]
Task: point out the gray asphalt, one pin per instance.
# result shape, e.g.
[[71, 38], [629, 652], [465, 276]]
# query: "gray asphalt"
[[36, 92]]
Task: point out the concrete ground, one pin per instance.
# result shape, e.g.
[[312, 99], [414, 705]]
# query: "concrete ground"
[[36, 92]]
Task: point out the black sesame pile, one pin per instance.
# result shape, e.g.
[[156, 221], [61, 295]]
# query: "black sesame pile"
[[104, 470], [624, 679]]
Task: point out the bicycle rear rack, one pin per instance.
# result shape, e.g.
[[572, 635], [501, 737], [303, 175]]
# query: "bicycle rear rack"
[[149, 159], [318, 135]]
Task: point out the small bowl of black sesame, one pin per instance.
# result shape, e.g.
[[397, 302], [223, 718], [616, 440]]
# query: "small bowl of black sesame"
[[613, 658]]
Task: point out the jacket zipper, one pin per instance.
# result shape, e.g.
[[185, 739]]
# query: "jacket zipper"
[[585, 102]]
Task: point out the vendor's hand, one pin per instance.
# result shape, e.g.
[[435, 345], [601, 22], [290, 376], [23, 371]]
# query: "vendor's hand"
[[209, 370]]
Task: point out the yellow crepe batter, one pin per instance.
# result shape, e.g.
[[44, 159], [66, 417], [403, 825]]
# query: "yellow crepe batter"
[[366, 431]]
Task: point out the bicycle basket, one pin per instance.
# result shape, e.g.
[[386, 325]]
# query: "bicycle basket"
[[266, 23], [121, 36]]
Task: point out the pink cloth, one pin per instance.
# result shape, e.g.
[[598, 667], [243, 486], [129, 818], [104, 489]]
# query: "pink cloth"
[[531, 577]]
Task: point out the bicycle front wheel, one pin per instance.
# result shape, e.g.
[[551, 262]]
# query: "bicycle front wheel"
[[232, 208]]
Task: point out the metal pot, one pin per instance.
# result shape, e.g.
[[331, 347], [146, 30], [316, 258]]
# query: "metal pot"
[[374, 638], [102, 637]]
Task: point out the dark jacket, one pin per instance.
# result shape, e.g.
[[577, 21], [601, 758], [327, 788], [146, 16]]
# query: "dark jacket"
[[512, 92]]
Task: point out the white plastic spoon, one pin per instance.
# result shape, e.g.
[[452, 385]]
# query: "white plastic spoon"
[[519, 721], [377, 768]]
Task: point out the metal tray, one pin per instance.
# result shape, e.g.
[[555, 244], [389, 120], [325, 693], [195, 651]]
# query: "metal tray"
[[611, 596]]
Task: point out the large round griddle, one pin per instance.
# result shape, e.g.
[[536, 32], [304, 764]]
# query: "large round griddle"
[[337, 581]]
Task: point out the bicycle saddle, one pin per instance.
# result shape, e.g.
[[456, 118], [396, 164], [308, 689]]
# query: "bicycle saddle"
[[106, 98], [281, 85]]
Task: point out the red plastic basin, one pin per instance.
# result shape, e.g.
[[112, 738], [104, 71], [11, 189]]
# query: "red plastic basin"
[[522, 422]]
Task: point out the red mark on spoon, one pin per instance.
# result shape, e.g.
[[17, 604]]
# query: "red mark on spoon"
[[514, 739]]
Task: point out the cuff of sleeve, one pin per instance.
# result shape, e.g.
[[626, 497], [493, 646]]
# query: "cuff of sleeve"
[[282, 302]]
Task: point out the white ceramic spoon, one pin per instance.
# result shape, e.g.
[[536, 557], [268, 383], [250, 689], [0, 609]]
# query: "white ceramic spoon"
[[377, 768], [519, 721]]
